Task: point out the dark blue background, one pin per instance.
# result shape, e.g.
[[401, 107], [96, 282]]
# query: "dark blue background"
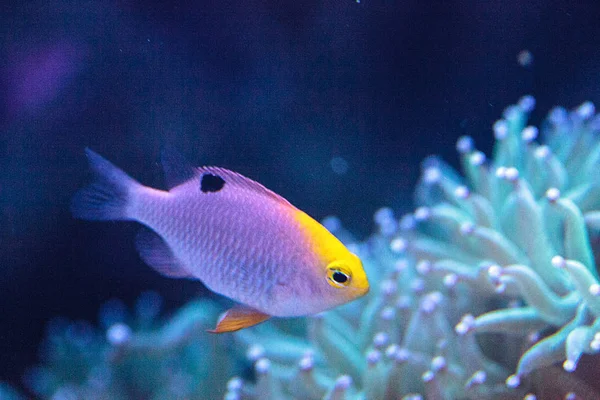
[[271, 89]]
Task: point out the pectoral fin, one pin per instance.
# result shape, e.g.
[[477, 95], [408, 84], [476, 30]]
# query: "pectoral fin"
[[239, 317]]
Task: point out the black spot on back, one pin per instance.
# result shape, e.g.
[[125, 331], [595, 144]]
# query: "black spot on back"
[[211, 183]]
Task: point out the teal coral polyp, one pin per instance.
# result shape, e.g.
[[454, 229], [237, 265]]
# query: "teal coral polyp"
[[487, 286]]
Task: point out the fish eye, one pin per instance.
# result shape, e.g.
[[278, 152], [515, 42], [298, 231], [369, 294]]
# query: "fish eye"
[[338, 276]]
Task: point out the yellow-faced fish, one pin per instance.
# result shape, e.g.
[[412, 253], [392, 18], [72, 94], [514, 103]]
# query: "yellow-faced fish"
[[233, 234]]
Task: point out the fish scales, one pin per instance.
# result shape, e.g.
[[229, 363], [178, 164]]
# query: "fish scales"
[[239, 238], [224, 240]]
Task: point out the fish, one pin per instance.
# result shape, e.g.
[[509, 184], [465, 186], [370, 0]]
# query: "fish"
[[240, 239]]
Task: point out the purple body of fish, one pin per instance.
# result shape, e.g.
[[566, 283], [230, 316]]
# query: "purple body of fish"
[[237, 237]]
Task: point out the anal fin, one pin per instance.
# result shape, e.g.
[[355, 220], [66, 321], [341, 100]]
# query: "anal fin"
[[239, 317], [157, 254]]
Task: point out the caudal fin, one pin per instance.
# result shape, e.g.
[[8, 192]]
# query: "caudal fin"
[[108, 197]]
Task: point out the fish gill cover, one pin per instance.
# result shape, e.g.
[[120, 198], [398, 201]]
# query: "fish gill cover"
[[488, 290]]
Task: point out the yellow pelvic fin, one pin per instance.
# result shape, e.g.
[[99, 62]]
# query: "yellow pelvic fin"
[[239, 317]]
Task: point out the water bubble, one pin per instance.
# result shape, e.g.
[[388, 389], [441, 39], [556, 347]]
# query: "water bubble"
[[339, 165], [525, 58]]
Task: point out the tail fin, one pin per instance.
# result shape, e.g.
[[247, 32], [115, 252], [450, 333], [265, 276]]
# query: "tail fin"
[[108, 197]]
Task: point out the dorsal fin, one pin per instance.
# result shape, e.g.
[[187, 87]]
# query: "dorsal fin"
[[240, 181], [176, 168]]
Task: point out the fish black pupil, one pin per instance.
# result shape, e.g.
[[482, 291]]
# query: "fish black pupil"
[[340, 277], [211, 183]]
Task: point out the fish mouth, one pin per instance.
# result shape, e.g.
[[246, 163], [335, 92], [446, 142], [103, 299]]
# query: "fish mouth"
[[362, 289]]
